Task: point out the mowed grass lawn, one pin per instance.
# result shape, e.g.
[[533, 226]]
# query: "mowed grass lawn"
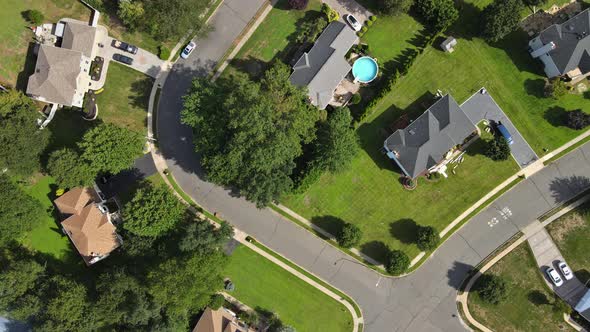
[[571, 233], [529, 303], [124, 101], [261, 283], [47, 238], [369, 194]]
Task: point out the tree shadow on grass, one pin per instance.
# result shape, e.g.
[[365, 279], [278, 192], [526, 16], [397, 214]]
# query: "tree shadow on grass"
[[404, 230], [556, 116], [140, 93], [331, 224], [538, 298], [252, 66], [535, 87], [468, 25], [376, 250]]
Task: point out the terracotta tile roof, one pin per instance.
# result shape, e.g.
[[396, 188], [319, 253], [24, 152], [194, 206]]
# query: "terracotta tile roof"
[[73, 201]]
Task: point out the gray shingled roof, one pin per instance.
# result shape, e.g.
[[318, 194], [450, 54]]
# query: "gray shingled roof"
[[425, 141], [56, 74], [324, 66], [79, 37], [572, 40]]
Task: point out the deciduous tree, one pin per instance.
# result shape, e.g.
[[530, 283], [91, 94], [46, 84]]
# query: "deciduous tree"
[[337, 142], [390, 7], [577, 119], [130, 12], [397, 262], [350, 235], [500, 18], [440, 14], [491, 288], [68, 169], [498, 149], [428, 238], [19, 212]]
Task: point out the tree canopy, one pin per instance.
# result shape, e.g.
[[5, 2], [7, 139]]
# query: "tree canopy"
[[19, 212], [428, 238], [390, 7], [108, 148], [249, 133], [152, 211], [337, 142], [21, 140], [397, 262], [173, 18], [69, 171], [498, 148], [350, 235], [577, 119], [491, 288], [500, 18], [440, 14]]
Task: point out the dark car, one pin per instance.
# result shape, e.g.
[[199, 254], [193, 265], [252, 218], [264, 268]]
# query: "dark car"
[[121, 58], [124, 46]]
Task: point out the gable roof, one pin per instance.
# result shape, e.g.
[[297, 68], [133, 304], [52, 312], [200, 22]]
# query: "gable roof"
[[572, 43], [73, 201], [423, 143], [324, 66], [217, 321], [56, 75], [79, 37]]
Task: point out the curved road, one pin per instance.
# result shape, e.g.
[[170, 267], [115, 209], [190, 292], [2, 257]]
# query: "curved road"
[[423, 301]]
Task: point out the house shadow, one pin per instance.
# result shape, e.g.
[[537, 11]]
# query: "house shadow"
[[29, 68], [331, 224], [556, 116], [377, 250], [458, 273], [404, 230]]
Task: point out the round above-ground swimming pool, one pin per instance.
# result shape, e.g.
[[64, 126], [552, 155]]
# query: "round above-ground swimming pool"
[[365, 69]]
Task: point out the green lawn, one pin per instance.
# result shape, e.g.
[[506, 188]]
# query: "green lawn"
[[529, 306], [47, 238], [571, 233], [261, 283], [125, 98]]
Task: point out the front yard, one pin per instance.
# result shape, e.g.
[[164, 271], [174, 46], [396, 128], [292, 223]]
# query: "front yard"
[[529, 303], [262, 284]]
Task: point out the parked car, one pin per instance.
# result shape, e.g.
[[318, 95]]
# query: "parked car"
[[565, 270], [354, 23], [554, 276], [124, 46], [122, 58], [504, 132], [188, 50]]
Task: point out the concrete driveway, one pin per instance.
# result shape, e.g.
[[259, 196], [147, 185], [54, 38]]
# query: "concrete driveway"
[[144, 61], [349, 7], [481, 106]]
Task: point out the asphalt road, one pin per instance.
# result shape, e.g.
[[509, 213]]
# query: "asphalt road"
[[423, 301]]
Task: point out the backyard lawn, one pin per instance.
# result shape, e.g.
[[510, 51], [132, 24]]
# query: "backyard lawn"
[[261, 283], [571, 233], [529, 304], [125, 98]]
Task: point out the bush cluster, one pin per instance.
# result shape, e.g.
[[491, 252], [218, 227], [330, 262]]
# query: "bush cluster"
[[34, 16], [397, 262], [163, 52]]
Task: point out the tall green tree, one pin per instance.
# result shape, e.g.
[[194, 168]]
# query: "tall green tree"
[[152, 212], [202, 237], [108, 148], [491, 288], [173, 18], [69, 171], [337, 142], [498, 148], [68, 306], [130, 12], [21, 140], [428, 238], [392, 7], [249, 133], [500, 18], [440, 14], [19, 212]]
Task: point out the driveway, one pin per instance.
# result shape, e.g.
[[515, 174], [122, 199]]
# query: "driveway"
[[422, 301], [548, 255], [481, 106], [144, 61], [349, 7], [142, 168]]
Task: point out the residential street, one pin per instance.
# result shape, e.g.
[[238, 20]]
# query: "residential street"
[[423, 301]]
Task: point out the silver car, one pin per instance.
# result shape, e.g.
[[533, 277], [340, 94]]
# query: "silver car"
[[354, 23], [565, 270]]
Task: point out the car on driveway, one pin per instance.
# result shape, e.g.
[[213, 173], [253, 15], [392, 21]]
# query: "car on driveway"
[[122, 58], [565, 270], [554, 277], [124, 46], [354, 23], [188, 50], [504, 132]]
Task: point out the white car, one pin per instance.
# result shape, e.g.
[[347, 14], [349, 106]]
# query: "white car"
[[565, 270], [354, 23], [188, 50], [554, 276]]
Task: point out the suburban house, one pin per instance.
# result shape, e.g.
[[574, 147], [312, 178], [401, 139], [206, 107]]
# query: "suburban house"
[[62, 71], [88, 223], [324, 66], [220, 320], [564, 48], [427, 144]]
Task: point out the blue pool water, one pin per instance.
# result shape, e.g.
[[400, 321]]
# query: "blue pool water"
[[365, 69]]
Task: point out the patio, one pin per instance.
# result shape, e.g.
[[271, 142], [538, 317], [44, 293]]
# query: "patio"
[[541, 20], [344, 91]]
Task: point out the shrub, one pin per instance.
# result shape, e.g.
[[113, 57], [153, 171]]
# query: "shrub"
[[397, 262], [356, 98], [298, 4], [330, 13], [491, 288], [34, 16], [306, 178], [163, 52], [555, 88], [577, 119], [369, 23], [216, 301], [498, 149], [349, 236], [364, 29], [249, 317], [428, 238]]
